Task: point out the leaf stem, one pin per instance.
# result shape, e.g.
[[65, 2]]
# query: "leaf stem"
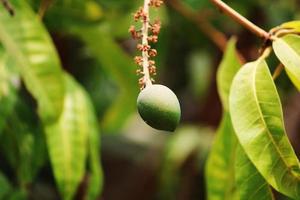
[[45, 4], [265, 53], [145, 28], [277, 71], [241, 19]]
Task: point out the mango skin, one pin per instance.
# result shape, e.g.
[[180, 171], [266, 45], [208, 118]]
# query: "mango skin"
[[159, 107]]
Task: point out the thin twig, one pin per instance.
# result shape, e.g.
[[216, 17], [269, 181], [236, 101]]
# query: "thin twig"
[[45, 4], [8, 7], [241, 20], [277, 71]]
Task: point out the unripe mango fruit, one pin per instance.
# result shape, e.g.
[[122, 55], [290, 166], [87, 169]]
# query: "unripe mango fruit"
[[159, 107]]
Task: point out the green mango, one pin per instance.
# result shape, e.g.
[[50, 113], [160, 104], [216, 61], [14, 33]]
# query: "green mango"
[[159, 107]]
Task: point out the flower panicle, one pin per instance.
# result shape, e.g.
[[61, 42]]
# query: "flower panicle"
[[146, 36]]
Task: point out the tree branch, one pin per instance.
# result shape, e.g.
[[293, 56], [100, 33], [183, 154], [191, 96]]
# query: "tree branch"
[[241, 20], [217, 37]]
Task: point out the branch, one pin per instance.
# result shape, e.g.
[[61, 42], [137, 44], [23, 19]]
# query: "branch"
[[241, 20], [217, 37]]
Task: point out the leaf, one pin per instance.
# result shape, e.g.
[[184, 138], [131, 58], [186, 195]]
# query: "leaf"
[[30, 46], [251, 185], [23, 145], [96, 173], [287, 49], [291, 25], [219, 169], [257, 119], [96, 176], [5, 187], [9, 86], [228, 68], [67, 139]]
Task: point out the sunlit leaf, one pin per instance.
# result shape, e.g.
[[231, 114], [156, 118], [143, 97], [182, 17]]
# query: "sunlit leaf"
[[257, 118], [251, 185], [29, 45], [67, 139], [221, 159], [219, 169], [295, 25], [287, 49], [228, 68]]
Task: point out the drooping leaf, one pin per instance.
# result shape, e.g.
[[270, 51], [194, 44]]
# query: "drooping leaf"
[[67, 139], [228, 68], [257, 119], [251, 185], [221, 185], [219, 169], [29, 45], [9, 86], [287, 49]]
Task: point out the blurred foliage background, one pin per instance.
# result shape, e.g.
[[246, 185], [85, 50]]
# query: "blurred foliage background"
[[94, 46]]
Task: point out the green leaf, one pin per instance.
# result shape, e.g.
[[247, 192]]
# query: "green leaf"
[[287, 49], [29, 45], [9, 87], [67, 139], [96, 174], [23, 145], [219, 169], [5, 187], [257, 118], [228, 68], [251, 185]]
